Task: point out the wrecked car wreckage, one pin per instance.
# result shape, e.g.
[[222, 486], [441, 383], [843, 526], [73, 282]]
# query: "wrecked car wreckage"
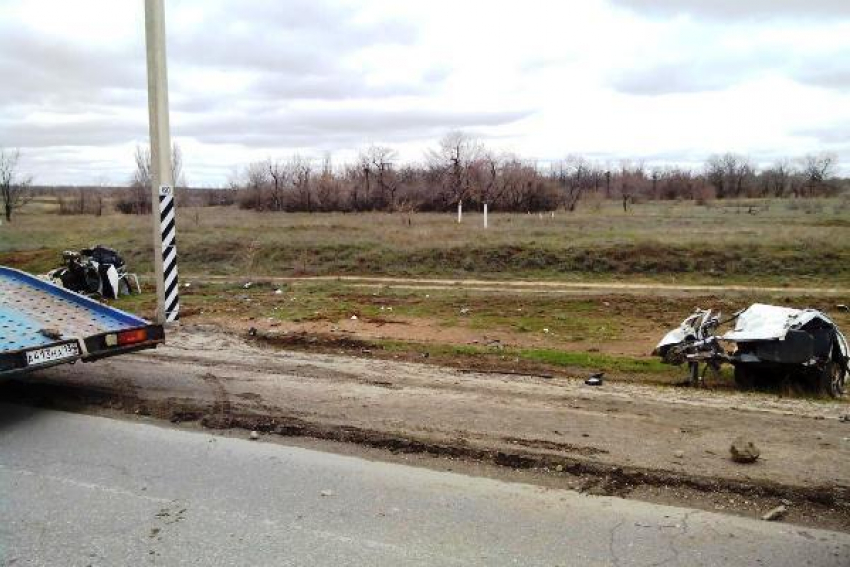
[[97, 272], [768, 344]]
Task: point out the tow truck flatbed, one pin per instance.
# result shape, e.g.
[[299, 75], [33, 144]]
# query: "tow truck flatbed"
[[44, 325]]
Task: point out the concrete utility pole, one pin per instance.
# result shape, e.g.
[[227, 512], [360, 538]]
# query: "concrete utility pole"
[[160, 136]]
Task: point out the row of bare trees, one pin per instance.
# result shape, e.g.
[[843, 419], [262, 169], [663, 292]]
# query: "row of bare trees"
[[461, 170]]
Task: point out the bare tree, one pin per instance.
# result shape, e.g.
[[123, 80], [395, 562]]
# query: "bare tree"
[[453, 159], [730, 174], [574, 175], [300, 173], [818, 170], [138, 199], [777, 179], [379, 163], [279, 174], [14, 189]]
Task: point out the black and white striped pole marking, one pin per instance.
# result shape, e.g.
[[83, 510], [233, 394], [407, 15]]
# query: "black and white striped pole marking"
[[169, 253]]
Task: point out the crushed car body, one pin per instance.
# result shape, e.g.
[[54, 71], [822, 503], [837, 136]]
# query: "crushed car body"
[[766, 344], [97, 272]]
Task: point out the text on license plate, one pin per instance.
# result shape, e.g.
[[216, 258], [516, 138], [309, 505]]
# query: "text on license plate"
[[53, 353]]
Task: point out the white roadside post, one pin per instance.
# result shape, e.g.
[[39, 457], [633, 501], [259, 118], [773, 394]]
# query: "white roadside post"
[[459, 212], [162, 184], [485, 215]]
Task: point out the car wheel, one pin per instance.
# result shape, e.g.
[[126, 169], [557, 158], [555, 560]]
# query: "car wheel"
[[831, 379], [744, 378]]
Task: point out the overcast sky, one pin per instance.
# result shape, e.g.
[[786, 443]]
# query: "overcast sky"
[[664, 81]]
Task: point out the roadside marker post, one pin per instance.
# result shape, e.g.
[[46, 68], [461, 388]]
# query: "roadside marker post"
[[485, 215], [162, 184], [168, 234]]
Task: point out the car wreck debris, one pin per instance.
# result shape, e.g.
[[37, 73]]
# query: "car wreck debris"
[[767, 344], [744, 451], [97, 271]]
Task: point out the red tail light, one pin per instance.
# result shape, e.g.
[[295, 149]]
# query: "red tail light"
[[132, 337]]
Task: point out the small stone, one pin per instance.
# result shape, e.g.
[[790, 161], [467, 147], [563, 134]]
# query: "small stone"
[[744, 451], [679, 454], [776, 514], [278, 292], [327, 493], [464, 311], [354, 317], [560, 468], [254, 435]]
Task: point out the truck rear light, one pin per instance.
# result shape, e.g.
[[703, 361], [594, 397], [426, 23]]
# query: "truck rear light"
[[132, 337]]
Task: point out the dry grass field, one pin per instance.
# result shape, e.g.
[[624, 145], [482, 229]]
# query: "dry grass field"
[[798, 244], [786, 242]]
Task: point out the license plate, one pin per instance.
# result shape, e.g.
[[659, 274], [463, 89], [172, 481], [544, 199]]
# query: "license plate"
[[53, 353]]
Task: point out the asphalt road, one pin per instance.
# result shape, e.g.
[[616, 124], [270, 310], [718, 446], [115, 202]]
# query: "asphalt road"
[[82, 490]]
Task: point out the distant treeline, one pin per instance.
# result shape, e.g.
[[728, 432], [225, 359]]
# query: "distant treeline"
[[462, 170]]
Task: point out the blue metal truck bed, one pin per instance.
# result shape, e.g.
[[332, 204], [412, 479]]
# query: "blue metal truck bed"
[[43, 325]]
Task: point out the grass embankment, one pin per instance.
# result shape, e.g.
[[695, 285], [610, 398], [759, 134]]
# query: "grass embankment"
[[780, 242], [532, 333]]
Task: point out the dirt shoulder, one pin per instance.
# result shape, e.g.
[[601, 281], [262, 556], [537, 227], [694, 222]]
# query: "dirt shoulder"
[[656, 443]]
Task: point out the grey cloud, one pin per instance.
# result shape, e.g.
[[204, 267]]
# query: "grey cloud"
[[82, 131], [296, 35], [740, 9], [723, 69], [832, 72], [295, 50], [337, 128], [673, 78], [41, 70], [832, 134]]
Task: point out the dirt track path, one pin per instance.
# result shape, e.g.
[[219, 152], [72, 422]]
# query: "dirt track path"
[[614, 439], [532, 285]]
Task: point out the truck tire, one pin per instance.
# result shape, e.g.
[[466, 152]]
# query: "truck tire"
[[745, 378], [830, 379]]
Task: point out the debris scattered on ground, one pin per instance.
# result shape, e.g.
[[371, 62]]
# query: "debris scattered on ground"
[[354, 317], [252, 332], [248, 285], [842, 307], [55, 334], [278, 292], [254, 435], [327, 493], [464, 311], [744, 451], [595, 379], [776, 514], [679, 454], [187, 285]]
